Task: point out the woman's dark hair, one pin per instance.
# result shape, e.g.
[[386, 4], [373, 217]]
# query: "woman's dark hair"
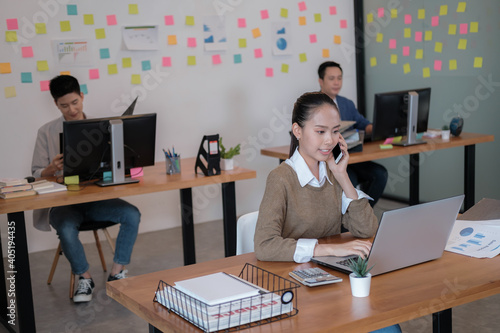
[[303, 109], [62, 85]]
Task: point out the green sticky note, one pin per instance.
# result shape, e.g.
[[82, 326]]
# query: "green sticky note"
[[284, 68], [242, 43], [302, 57], [426, 72], [453, 64], [419, 54], [478, 62], [394, 58], [133, 9], [112, 69], [72, 180], [191, 60], [406, 68], [42, 65], [385, 146], [40, 28], [126, 62], [26, 77], [284, 12], [135, 79], [474, 27], [65, 26], [317, 17], [462, 44], [100, 33], [88, 19], [10, 36], [189, 20], [438, 47]]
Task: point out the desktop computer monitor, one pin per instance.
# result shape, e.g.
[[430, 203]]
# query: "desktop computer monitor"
[[117, 144], [390, 116]]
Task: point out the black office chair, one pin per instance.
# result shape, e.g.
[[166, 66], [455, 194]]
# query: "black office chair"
[[86, 226]]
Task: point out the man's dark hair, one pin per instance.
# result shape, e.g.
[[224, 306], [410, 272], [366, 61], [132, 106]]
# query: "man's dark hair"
[[322, 68], [62, 85]]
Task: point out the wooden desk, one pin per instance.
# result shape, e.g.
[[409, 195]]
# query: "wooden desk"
[[395, 297], [155, 179], [371, 151]]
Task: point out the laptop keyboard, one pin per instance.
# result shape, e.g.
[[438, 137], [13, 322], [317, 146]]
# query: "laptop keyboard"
[[345, 262]]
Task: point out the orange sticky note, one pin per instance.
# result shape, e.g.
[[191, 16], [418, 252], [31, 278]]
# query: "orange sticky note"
[[256, 33], [302, 20], [172, 39], [325, 53], [337, 39], [5, 68]]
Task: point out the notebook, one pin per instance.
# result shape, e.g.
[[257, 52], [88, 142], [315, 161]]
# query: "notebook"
[[406, 237]]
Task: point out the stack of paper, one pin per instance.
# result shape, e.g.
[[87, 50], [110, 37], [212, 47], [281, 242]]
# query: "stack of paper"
[[478, 239]]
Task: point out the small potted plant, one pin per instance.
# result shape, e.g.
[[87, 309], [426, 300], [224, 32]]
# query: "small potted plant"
[[360, 277], [227, 162], [445, 132]]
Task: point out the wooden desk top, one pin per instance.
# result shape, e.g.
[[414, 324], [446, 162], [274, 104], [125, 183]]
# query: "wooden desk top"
[[395, 297], [155, 179], [372, 151]]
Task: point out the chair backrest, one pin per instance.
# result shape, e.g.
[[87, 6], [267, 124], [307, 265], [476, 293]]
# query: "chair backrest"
[[245, 230]]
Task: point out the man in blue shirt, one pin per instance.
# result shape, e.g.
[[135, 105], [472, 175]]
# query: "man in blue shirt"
[[372, 177]]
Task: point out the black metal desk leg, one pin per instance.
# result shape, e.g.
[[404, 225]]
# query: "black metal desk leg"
[[441, 321], [153, 329], [469, 176], [229, 210], [20, 274], [414, 179], [187, 226]]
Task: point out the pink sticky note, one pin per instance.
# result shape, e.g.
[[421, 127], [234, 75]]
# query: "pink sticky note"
[[27, 51], [302, 6], [406, 51], [191, 42], [343, 24], [464, 28], [380, 12], [44, 85], [388, 141], [333, 10], [435, 21], [169, 20], [264, 14], [407, 19], [136, 172], [216, 59], [392, 43], [313, 38], [111, 19], [242, 23], [12, 24], [257, 53], [93, 73], [166, 61], [437, 65], [269, 72], [418, 36]]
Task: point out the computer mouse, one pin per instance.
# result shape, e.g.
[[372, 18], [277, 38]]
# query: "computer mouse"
[[30, 179]]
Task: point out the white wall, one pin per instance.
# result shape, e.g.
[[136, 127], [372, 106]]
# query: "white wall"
[[236, 101]]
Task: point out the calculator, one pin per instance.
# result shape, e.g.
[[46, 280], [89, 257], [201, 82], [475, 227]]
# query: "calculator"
[[314, 277]]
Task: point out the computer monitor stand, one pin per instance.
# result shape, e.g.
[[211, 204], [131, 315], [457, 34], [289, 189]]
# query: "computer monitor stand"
[[117, 156], [412, 117]]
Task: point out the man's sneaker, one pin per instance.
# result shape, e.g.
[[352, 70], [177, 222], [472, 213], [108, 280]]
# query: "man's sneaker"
[[84, 291], [119, 276]]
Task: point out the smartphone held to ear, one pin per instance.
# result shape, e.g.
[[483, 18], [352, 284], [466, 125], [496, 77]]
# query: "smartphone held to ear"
[[337, 153]]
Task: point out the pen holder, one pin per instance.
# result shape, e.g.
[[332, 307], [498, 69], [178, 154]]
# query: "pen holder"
[[173, 165]]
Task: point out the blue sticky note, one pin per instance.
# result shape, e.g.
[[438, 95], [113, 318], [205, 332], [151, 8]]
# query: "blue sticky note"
[[26, 77], [146, 65], [237, 58], [107, 175], [83, 89], [72, 9], [104, 53]]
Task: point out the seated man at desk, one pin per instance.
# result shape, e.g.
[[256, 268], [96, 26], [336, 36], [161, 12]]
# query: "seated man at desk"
[[371, 176], [66, 220]]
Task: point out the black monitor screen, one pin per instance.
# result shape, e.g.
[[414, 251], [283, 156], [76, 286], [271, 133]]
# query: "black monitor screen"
[[391, 109], [87, 150]]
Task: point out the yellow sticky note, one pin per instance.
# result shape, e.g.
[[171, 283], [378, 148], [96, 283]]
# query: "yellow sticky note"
[[191, 60], [88, 19], [438, 47], [394, 59], [256, 33], [325, 53], [461, 7], [42, 65], [112, 69], [474, 27], [10, 92], [337, 39], [317, 18], [100, 33], [10, 36], [421, 14], [380, 37], [40, 28], [373, 61], [133, 9], [189, 20], [369, 18], [284, 12], [462, 44], [452, 29], [135, 79], [126, 62], [172, 39], [407, 33], [428, 35], [284, 68], [426, 72], [478, 62], [396, 139], [72, 180], [302, 57], [419, 54], [65, 26], [394, 13], [452, 64], [5, 68], [443, 10], [302, 20], [242, 43], [406, 68]]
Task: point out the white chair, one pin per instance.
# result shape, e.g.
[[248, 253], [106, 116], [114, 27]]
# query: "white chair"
[[245, 230]]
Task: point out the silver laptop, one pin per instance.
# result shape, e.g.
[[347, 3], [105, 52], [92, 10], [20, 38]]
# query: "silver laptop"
[[406, 237]]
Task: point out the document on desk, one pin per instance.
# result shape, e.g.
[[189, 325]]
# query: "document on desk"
[[478, 239]]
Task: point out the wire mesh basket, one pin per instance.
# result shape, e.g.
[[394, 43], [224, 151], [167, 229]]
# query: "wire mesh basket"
[[277, 300]]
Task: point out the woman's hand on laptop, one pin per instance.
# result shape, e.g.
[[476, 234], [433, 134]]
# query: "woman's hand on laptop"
[[355, 247]]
